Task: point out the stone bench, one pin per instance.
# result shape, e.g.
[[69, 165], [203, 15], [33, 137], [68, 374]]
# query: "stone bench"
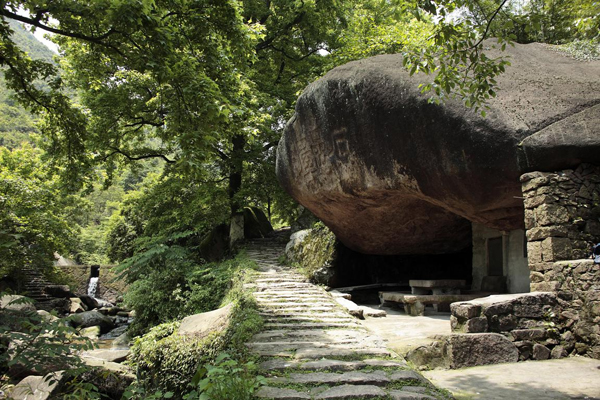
[[414, 304]]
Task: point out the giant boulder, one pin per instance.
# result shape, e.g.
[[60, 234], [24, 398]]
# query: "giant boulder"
[[391, 173]]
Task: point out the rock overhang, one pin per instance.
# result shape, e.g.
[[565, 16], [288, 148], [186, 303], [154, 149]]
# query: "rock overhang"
[[391, 173]]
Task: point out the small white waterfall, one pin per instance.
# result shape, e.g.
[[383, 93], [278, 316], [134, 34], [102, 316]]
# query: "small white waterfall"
[[92, 287]]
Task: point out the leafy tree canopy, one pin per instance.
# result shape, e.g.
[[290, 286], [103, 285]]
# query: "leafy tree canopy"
[[34, 214]]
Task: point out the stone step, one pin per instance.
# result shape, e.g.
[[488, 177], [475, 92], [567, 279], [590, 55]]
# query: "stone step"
[[290, 286], [329, 351], [294, 293], [343, 392], [301, 310], [294, 302], [280, 334], [267, 392], [369, 342], [377, 378], [310, 325], [330, 365], [278, 279], [315, 354], [292, 319], [287, 292]]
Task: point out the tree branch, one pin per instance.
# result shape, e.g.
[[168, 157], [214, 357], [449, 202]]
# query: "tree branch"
[[36, 22], [137, 158]]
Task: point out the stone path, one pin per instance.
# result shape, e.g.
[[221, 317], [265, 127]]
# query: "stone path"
[[311, 348]]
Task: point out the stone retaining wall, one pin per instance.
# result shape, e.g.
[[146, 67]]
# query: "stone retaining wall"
[[562, 218], [109, 287], [528, 320]]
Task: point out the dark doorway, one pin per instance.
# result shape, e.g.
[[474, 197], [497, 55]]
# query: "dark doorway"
[[495, 258]]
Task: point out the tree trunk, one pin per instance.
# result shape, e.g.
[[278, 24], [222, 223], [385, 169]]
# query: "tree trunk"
[[236, 168]]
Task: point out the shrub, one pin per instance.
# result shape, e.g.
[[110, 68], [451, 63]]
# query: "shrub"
[[167, 362]]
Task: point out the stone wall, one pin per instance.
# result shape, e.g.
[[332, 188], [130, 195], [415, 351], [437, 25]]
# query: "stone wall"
[[109, 287], [562, 218], [562, 212], [528, 320]]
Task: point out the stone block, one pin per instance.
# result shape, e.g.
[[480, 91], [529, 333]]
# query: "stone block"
[[529, 334], [595, 309], [470, 350], [498, 309], [558, 352], [533, 183], [476, 325], [551, 214], [529, 219], [545, 286], [543, 232], [507, 323], [530, 310], [540, 352], [534, 252], [556, 249], [455, 325], [525, 349], [592, 227], [536, 277], [541, 266], [537, 200], [465, 310], [525, 323]]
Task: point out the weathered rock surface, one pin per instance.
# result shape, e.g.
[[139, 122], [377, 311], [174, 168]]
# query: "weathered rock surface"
[[204, 324], [390, 173], [36, 387], [15, 302], [92, 318], [61, 291], [481, 349], [256, 223]]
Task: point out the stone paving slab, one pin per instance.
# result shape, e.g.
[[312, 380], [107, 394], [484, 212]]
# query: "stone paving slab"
[[377, 378], [312, 325], [329, 365], [301, 310], [346, 392], [267, 392], [408, 395], [310, 333], [341, 353]]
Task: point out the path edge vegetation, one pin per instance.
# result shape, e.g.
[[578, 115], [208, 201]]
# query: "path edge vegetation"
[[218, 366]]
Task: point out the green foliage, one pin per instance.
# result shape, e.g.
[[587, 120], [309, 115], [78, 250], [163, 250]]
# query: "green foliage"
[[226, 379], [167, 362], [28, 342], [166, 284], [34, 213], [583, 49], [316, 251]]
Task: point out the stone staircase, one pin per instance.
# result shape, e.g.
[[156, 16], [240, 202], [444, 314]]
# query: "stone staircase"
[[311, 348], [34, 284]]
